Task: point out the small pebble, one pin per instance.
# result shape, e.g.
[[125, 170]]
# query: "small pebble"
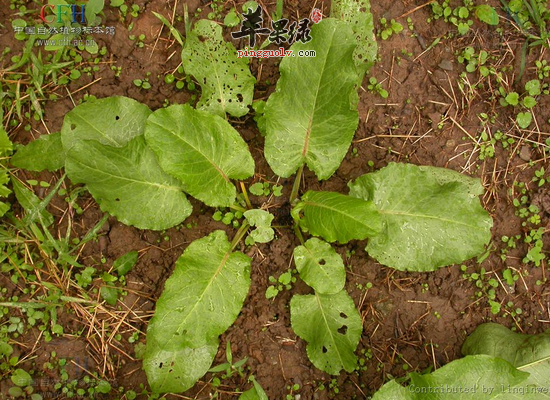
[[447, 65], [525, 153]]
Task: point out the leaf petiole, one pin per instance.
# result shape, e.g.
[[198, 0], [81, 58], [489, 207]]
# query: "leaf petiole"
[[239, 235], [296, 186], [245, 194]]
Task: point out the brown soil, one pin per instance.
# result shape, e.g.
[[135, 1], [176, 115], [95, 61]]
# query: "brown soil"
[[411, 321]]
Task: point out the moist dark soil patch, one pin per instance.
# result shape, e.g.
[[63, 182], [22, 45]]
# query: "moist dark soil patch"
[[410, 321]]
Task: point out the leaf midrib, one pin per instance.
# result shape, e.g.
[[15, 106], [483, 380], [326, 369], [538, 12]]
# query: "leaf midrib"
[[128, 179], [305, 149], [310, 203], [206, 288], [220, 171], [391, 212]]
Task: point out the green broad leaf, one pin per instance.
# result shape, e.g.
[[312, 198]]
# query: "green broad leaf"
[[524, 119], [94, 7], [271, 292], [357, 14], [257, 189], [337, 217], [332, 327], [529, 102], [431, 217], [109, 294], [201, 299], [6, 145], [262, 221], [311, 117], [254, 393], [201, 150], [128, 183], [479, 377], [125, 263], [512, 98], [6, 350], [57, 41], [103, 387], [112, 121], [92, 48], [177, 368], [6, 148], [528, 353], [533, 87], [30, 202], [486, 13], [44, 153], [320, 266], [226, 81], [21, 378], [231, 19]]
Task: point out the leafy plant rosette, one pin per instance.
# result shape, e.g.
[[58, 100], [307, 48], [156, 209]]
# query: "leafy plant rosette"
[[140, 166], [498, 364]]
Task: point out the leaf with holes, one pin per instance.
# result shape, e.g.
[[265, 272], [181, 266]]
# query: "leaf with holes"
[[431, 216], [201, 150], [311, 117], [332, 327], [127, 182], [337, 217], [201, 299], [112, 121], [226, 82], [357, 14], [320, 266], [44, 153]]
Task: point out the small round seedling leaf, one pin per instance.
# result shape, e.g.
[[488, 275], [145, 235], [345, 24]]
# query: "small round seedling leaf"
[[512, 98], [320, 266], [533, 87], [231, 19], [257, 189], [332, 327], [524, 119], [262, 221], [21, 378], [529, 102]]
